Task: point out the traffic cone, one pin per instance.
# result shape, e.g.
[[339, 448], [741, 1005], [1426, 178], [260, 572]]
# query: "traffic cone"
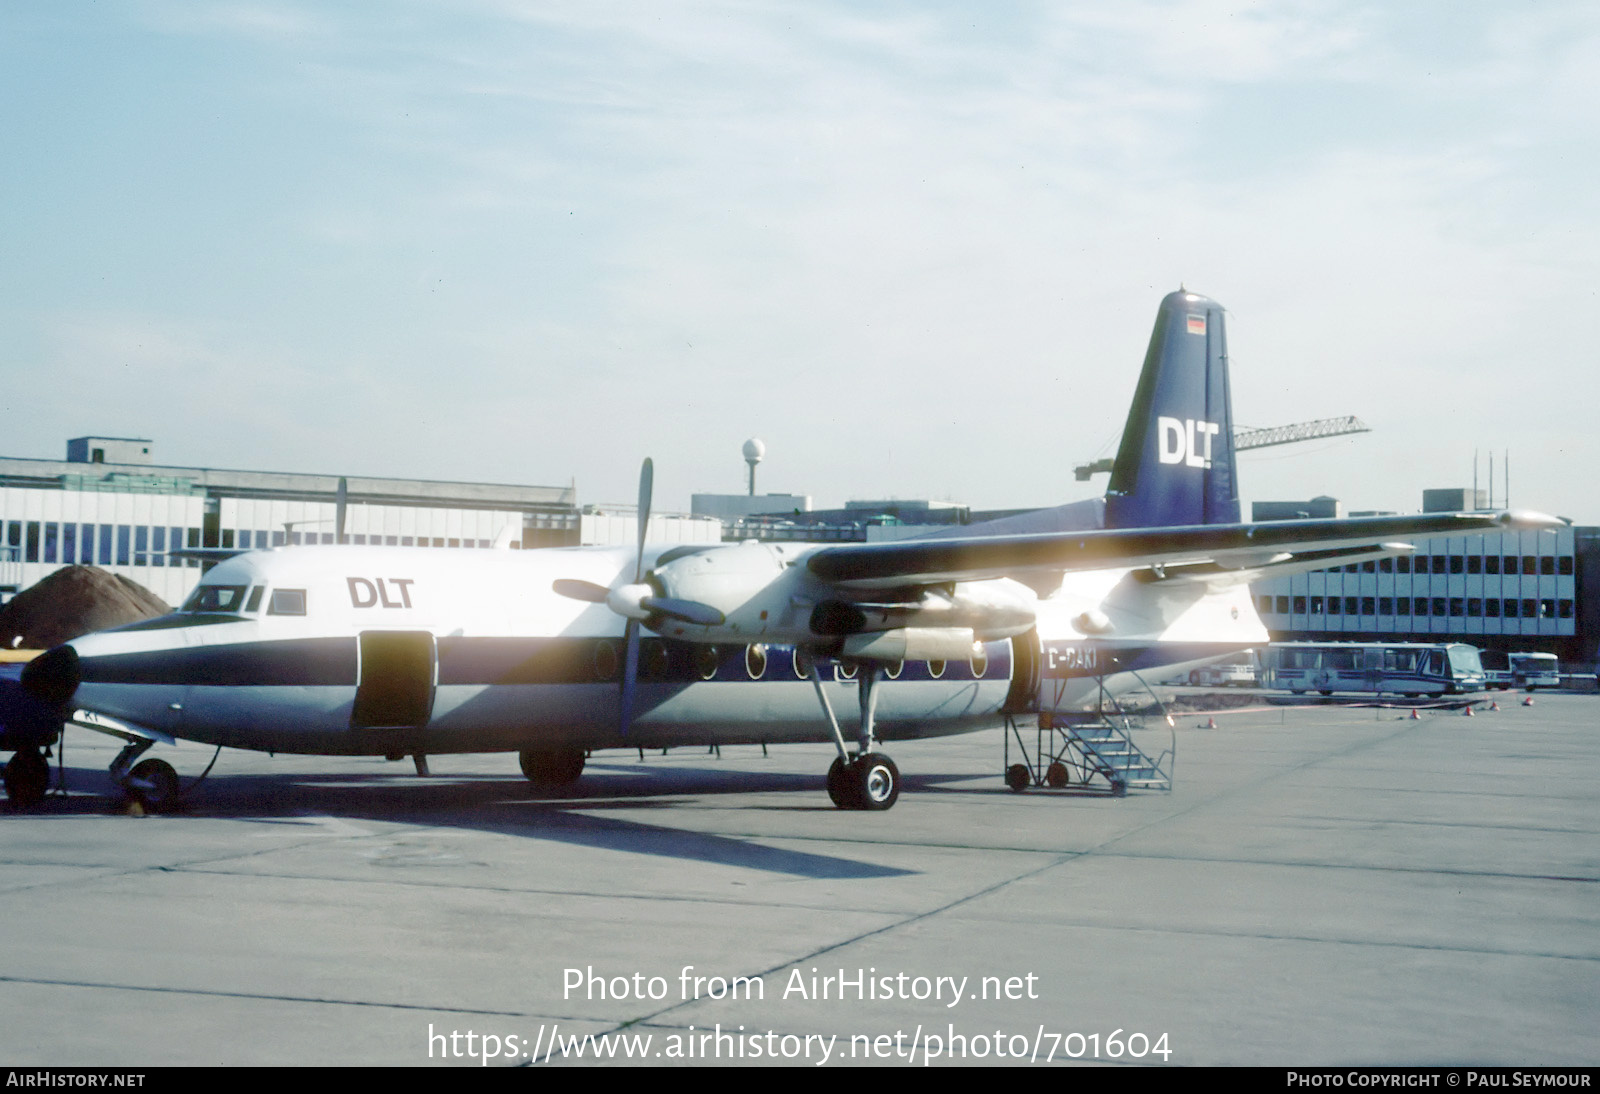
[[1528, 702], [1415, 717], [1468, 711], [1494, 705], [1211, 723]]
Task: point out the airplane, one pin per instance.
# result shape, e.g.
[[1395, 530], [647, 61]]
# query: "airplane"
[[558, 653]]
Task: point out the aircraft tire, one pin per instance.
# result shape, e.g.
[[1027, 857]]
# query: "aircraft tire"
[[1057, 775], [874, 781], [841, 789], [154, 784], [1018, 777], [27, 778], [549, 770]]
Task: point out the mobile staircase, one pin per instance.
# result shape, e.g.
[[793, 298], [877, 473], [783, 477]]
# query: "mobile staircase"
[[1090, 749]]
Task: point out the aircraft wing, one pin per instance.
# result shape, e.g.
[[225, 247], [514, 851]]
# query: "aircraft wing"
[[1204, 550]]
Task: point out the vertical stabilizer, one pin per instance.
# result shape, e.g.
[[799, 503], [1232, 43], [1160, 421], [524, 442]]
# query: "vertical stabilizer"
[[1176, 466]]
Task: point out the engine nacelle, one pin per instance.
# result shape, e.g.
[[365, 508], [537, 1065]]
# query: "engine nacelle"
[[765, 593]]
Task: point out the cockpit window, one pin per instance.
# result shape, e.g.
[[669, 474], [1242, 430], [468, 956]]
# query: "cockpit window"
[[214, 598], [254, 603], [287, 602]]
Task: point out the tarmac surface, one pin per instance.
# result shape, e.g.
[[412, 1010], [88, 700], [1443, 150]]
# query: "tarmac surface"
[[1325, 885]]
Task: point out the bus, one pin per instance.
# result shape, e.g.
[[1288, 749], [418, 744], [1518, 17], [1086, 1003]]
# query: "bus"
[[1411, 669], [1521, 670]]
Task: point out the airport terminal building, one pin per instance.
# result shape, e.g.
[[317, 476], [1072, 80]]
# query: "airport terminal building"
[[1508, 591], [108, 504]]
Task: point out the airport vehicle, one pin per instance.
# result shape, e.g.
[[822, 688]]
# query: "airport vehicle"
[[1504, 671], [1378, 668], [1226, 674], [556, 653]]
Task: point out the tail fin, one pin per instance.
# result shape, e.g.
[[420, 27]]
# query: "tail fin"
[[1176, 464]]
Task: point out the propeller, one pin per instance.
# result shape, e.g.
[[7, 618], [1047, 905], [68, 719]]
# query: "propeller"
[[637, 601], [630, 664]]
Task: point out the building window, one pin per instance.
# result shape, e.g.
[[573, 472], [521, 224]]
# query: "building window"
[[1564, 608], [1491, 608], [1458, 607], [1316, 605], [1530, 564], [1299, 605], [1474, 608], [1457, 564], [1441, 565], [1491, 564], [1510, 609], [1547, 609], [1385, 605], [1368, 605], [1283, 605], [1402, 565], [1349, 605], [1419, 606], [1474, 564], [1547, 565], [1438, 606], [1530, 609], [1564, 566], [1386, 565]]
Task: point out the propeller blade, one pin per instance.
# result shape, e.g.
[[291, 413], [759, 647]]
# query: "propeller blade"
[[684, 611], [574, 589], [630, 664], [647, 474], [630, 675]]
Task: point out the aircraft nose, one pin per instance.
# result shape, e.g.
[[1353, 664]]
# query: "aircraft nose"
[[53, 676]]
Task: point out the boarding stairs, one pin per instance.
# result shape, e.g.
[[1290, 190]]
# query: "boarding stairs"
[[1091, 749]]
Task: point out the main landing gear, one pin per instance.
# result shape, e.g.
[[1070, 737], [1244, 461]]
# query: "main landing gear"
[[863, 779], [27, 778]]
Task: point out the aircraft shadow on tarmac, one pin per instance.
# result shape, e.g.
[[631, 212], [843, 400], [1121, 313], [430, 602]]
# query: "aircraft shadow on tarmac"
[[508, 806]]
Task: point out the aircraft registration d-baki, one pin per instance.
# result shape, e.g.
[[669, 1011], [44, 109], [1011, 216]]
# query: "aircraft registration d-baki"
[[557, 653]]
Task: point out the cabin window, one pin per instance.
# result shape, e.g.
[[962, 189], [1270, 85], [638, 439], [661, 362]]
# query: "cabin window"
[[287, 602]]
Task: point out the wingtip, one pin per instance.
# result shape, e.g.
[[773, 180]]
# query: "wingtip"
[[1521, 520]]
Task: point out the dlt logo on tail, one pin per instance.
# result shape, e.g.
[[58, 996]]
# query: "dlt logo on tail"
[[1178, 441]]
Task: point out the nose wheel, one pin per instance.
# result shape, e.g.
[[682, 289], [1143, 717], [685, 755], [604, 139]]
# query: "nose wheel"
[[153, 784]]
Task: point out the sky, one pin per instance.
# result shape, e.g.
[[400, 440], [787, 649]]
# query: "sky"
[[916, 248]]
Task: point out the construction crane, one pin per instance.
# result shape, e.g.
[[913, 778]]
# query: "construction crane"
[[1259, 438]]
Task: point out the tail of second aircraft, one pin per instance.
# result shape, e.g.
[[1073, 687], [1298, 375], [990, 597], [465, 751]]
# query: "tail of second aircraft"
[[1175, 465]]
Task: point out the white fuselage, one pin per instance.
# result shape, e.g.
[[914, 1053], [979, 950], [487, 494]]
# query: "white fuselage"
[[374, 650]]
